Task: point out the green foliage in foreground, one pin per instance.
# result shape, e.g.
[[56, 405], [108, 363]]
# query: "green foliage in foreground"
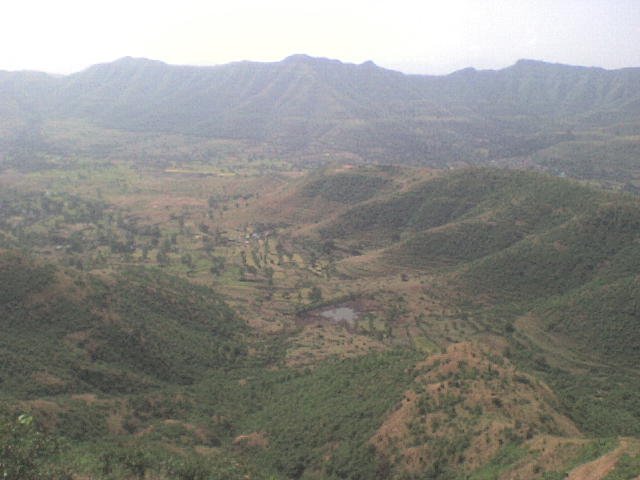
[[139, 459], [316, 424], [591, 451], [338, 405], [26, 453], [316, 420]]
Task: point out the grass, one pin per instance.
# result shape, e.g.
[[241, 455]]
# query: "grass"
[[507, 457], [589, 452], [627, 468]]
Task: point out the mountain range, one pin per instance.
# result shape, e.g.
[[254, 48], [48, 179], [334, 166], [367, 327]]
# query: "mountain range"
[[314, 108]]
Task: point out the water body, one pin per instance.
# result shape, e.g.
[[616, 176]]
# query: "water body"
[[341, 314]]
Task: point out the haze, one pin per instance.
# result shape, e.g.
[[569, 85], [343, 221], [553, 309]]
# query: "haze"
[[416, 37]]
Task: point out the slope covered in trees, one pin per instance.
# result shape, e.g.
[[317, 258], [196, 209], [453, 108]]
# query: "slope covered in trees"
[[75, 333]]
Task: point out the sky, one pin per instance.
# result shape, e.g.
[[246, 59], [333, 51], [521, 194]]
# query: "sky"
[[435, 37]]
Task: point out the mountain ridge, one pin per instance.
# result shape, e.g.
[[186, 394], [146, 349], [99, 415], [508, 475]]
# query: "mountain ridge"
[[313, 108], [304, 57]]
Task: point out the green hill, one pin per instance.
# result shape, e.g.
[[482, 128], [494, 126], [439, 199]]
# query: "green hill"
[[517, 237], [348, 188], [78, 333], [520, 201]]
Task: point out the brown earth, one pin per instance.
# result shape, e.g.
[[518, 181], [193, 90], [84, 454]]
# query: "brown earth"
[[599, 468]]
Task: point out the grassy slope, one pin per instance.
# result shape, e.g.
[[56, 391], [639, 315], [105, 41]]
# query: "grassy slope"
[[517, 203], [349, 188], [70, 334], [148, 354]]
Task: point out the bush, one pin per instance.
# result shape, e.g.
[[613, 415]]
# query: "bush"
[[25, 452]]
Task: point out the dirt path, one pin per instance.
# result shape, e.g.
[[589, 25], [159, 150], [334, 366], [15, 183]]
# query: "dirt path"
[[599, 468]]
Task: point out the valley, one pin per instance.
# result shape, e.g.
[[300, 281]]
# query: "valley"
[[261, 271], [441, 355]]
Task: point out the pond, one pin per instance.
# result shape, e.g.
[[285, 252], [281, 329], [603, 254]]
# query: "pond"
[[341, 314]]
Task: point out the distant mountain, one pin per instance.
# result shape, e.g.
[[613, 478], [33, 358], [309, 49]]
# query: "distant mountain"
[[315, 106], [533, 87]]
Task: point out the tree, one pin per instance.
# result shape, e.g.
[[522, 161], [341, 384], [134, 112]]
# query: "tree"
[[162, 258], [187, 260], [269, 273], [218, 265], [315, 295]]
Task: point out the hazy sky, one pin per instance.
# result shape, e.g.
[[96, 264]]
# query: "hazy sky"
[[425, 36]]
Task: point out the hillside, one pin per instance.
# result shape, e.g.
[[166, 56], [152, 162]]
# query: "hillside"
[[66, 334], [520, 201], [516, 237]]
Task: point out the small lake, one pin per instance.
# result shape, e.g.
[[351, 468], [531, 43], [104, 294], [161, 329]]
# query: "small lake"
[[341, 314]]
